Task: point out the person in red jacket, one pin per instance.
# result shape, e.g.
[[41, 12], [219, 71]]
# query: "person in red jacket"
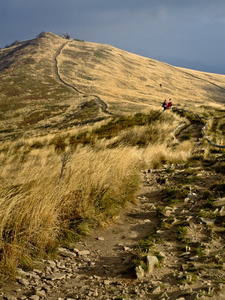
[[170, 103]]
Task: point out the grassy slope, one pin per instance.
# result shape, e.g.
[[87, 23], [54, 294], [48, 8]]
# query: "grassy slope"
[[132, 80], [33, 98], [62, 181]]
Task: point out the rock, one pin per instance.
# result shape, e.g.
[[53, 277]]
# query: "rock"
[[192, 196], [126, 248], [188, 248], [184, 254], [222, 211], [147, 221], [152, 206], [86, 259], [184, 212], [189, 278], [208, 221], [192, 225], [51, 263], [132, 235], [10, 297], [156, 290], [27, 274], [66, 253], [139, 272], [164, 296], [24, 281], [95, 294], [219, 202], [34, 297], [100, 238], [56, 276], [175, 221], [186, 200], [41, 293], [84, 253], [48, 270], [61, 264], [168, 211], [151, 262], [39, 272], [194, 258], [107, 282], [162, 254]]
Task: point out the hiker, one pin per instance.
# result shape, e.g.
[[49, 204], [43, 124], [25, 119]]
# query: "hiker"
[[164, 105], [170, 103]]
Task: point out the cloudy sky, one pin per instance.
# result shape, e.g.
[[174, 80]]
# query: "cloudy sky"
[[187, 33]]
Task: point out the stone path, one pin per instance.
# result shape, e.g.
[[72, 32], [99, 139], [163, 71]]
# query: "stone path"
[[98, 266]]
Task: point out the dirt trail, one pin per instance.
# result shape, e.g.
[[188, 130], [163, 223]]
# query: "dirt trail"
[[100, 102], [109, 251], [99, 266]]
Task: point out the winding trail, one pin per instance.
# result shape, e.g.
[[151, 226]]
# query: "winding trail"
[[204, 128], [100, 102]]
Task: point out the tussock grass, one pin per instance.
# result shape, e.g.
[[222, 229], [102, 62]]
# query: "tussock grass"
[[217, 130], [53, 191], [48, 196], [161, 153]]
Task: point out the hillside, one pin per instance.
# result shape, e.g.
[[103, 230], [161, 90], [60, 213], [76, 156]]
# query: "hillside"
[[49, 83], [103, 195]]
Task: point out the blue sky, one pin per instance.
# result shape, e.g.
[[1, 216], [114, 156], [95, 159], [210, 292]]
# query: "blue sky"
[[187, 33]]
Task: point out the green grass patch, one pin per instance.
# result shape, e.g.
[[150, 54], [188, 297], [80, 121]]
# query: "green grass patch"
[[112, 128]]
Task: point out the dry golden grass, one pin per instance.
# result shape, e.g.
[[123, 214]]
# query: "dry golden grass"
[[51, 196], [135, 81], [47, 196], [157, 154], [58, 180]]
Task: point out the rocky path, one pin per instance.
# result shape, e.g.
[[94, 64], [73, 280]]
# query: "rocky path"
[[175, 223]]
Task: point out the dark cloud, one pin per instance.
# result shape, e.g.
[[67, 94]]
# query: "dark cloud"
[[172, 31]]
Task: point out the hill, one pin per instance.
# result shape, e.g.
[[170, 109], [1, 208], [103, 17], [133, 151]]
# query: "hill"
[[97, 181], [50, 83]]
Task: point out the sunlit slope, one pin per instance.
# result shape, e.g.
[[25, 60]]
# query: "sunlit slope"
[[52, 83], [121, 77]]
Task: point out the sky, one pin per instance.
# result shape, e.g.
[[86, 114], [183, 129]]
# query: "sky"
[[186, 33]]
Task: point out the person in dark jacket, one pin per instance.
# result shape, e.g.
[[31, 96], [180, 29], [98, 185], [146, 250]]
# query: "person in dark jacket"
[[164, 105]]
